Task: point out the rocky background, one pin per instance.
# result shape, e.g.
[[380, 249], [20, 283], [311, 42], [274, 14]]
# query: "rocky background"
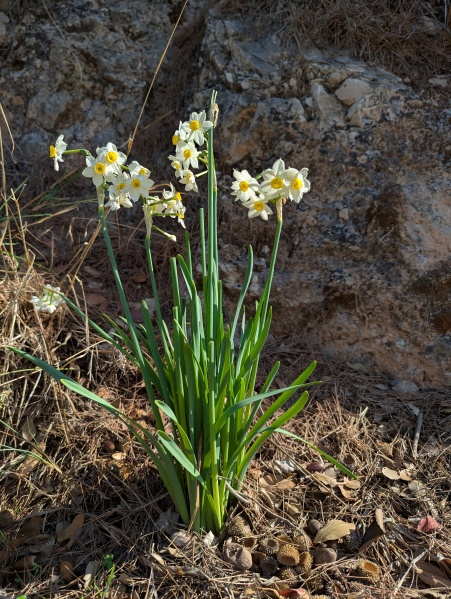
[[364, 273]]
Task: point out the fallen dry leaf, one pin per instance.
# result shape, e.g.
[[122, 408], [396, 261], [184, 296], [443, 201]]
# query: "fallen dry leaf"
[[347, 493], [270, 480], [374, 531], [295, 593], [256, 592], [27, 532], [352, 484], [30, 462], [292, 509], [432, 575], [270, 499], [391, 474], [73, 530], [25, 563], [334, 530], [92, 271], [286, 483], [427, 524], [96, 299], [28, 430], [139, 277], [406, 474], [324, 479], [417, 488]]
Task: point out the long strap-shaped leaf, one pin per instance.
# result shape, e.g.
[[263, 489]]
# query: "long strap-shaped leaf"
[[164, 465]]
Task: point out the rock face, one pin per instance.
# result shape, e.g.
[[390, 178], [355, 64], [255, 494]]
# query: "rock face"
[[364, 271], [81, 70], [364, 266]]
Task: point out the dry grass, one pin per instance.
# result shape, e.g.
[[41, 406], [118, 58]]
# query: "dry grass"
[[411, 38]]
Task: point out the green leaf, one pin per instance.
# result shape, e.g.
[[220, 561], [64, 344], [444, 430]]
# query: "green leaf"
[[322, 453], [250, 400], [178, 454], [187, 447]]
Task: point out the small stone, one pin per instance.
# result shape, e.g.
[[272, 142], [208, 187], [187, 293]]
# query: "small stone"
[[314, 526], [180, 539], [315, 467], [402, 386], [6, 518], [67, 571], [238, 556], [352, 90], [324, 555]]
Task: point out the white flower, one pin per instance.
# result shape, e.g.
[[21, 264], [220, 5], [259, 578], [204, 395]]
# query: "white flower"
[[170, 193], [258, 207], [150, 210], [196, 127], [189, 180], [275, 180], [119, 185], [298, 183], [187, 155], [179, 138], [245, 186], [116, 201], [57, 151], [112, 159], [96, 170], [176, 164], [138, 185], [174, 206], [134, 168], [48, 301]]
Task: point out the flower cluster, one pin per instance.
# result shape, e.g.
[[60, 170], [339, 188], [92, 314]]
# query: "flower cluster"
[[48, 301], [187, 156], [279, 183], [128, 184]]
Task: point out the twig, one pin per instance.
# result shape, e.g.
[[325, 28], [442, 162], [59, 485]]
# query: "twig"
[[404, 576], [237, 495], [151, 591], [416, 436]]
